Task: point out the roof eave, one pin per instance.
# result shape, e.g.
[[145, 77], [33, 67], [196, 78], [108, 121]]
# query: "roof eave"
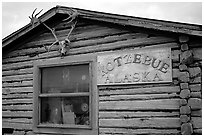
[[175, 27]]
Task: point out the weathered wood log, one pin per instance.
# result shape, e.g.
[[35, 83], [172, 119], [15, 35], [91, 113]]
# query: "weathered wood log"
[[83, 43], [175, 73], [18, 77], [18, 132], [184, 77], [195, 87], [196, 80], [197, 131], [94, 29], [160, 104], [17, 72], [17, 114], [80, 24], [196, 113], [183, 67], [184, 47], [183, 38], [127, 131], [18, 84], [95, 39], [194, 72], [123, 44], [17, 120], [17, 96], [184, 118], [108, 39], [17, 107], [197, 53], [17, 101], [100, 47], [196, 95], [183, 102], [186, 129], [141, 123], [175, 55], [151, 90], [137, 114], [30, 132], [16, 90], [82, 36], [15, 66], [195, 103], [20, 126], [184, 85], [197, 122], [185, 110], [139, 97], [185, 93], [186, 57]]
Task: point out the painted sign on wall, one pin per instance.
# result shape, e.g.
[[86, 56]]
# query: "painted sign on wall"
[[149, 65]]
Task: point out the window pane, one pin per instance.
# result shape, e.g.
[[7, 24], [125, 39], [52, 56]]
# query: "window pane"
[[65, 79], [67, 110]]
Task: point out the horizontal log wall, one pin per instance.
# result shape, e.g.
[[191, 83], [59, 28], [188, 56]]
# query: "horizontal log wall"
[[151, 109], [195, 74], [136, 110]]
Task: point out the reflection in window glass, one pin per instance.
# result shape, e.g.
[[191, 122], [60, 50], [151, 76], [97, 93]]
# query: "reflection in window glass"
[[65, 79], [66, 110]]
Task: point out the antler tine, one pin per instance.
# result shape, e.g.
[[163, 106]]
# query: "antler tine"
[[52, 30], [73, 15], [33, 12], [48, 48], [52, 45], [72, 27], [38, 12]]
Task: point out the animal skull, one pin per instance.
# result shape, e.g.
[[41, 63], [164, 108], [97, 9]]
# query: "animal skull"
[[64, 46]]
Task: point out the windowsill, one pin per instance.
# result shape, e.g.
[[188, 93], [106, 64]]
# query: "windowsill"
[[63, 126]]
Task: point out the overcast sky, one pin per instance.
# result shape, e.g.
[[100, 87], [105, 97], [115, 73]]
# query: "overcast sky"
[[15, 15]]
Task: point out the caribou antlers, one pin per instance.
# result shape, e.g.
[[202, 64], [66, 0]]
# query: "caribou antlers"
[[33, 18], [64, 44]]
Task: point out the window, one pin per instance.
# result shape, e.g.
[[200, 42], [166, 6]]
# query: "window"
[[65, 96]]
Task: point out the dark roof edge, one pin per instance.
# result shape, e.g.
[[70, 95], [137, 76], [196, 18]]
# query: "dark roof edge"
[[176, 27]]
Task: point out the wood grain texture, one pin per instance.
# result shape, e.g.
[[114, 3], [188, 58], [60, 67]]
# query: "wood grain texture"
[[18, 126], [153, 110], [17, 84], [136, 114], [17, 77], [17, 114], [17, 101], [160, 104], [139, 97], [15, 66], [149, 90], [18, 120], [17, 72], [89, 42], [127, 131], [13, 96], [21, 107], [17, 90], [141, 123]]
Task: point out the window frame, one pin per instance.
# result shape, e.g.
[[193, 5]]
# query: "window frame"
[[93, 96]]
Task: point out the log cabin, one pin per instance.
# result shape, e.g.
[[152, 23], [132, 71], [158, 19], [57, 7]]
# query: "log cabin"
[[75, 71]]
